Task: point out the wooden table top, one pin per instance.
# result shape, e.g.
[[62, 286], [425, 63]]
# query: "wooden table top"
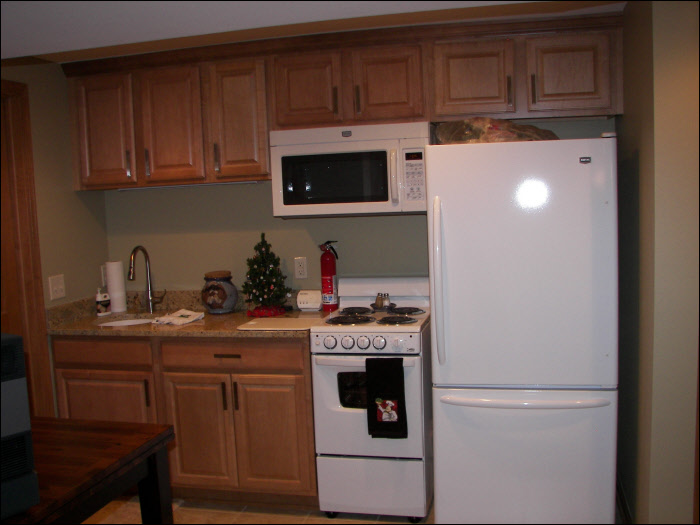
[[72, 457]]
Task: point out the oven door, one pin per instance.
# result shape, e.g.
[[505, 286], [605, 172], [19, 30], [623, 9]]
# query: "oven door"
[[341, 427]]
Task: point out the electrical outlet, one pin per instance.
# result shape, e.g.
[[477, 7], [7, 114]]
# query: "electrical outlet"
[[300, 267], [57, 287]]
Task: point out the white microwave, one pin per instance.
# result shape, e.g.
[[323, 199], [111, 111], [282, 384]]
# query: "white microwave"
[[353, 170]]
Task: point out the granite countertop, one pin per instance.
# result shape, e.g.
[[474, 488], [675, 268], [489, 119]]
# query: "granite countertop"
[[80, 319]]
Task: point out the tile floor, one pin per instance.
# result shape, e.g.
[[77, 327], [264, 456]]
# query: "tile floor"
[[126, 510]]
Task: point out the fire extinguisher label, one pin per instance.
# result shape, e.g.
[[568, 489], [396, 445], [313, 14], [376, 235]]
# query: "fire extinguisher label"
[[329, 290]]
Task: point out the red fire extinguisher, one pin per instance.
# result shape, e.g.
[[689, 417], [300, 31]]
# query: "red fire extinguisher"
[[329, 279]]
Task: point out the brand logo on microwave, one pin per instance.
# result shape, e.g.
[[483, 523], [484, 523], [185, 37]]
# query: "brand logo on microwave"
[[346, 133]]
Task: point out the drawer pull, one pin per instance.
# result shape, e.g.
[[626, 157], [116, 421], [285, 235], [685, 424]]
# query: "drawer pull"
[[227, 356], [217, 161], [533, 88], [223, 395], [128, 163], [509, 90], [235, 395], [148, 397]]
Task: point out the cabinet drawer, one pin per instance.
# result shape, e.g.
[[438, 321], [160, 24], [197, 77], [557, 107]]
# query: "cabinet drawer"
[[258, 355], [99, 352]]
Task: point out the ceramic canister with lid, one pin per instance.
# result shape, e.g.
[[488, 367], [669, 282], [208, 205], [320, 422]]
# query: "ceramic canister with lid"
[[219, 294]]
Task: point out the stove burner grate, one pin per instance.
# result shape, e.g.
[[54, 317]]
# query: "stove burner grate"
[[396, 319], [406, 310], [350, 319]]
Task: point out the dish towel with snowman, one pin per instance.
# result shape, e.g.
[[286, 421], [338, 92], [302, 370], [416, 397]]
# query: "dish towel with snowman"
[[386, 400]]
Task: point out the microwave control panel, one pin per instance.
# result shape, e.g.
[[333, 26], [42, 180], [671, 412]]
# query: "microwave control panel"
[[414, 175]]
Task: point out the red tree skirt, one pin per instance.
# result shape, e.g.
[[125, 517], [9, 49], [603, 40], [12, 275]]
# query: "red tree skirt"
[[266, 311]]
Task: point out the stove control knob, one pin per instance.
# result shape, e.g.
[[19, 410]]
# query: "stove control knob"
[[348, 342], [330, 342], [396, 344], [379, 342], [363, 342]]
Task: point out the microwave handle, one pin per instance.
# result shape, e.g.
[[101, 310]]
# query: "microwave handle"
[[394, 187]]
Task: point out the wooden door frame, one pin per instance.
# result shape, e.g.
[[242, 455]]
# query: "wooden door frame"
[[15, 101]]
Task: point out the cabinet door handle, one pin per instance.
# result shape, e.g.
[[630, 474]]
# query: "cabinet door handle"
[[223, 395], [128, 163], [227, 356], [235, 395], [358, 109], [335, 100], [217, 162], [148, 397], [533, 87], [509, 90], [148, 165]]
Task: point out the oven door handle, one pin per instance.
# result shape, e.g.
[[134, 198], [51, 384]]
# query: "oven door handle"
[[352, 362]]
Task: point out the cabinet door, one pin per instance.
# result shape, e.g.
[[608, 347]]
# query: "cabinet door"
[[569, 72], [104, 129], [307, 89], [273, 434], [236, 119], [171, 115], [106, 395], [474, 77], [199, 406], [387, 83]]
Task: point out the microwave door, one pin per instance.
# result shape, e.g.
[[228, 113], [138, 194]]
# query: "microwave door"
[[355, 178]]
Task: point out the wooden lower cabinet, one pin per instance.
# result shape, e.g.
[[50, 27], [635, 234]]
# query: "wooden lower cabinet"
[[271, 433], [105, 378], [198, 407], [242, 416], [241, 408], [245, 431], [106, 395]]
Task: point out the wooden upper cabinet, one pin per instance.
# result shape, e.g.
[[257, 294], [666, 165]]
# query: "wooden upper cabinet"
[[307, 89], [235, 120], [474, 77], [103, 121], [387, 83], [171, 116], [569, 72], [345, 86]]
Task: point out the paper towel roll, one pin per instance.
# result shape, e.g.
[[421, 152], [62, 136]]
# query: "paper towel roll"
[[115, 285]]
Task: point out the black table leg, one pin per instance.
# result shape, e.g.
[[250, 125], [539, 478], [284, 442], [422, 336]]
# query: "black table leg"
[[155, 496]]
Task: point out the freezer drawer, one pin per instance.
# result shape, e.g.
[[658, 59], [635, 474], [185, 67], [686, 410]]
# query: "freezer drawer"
[[516, 456], [393, 487]]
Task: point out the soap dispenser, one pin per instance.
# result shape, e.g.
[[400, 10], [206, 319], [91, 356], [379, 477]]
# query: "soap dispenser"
[[102, 303]]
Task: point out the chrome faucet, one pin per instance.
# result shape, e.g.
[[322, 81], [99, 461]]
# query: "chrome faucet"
[[150, 298]]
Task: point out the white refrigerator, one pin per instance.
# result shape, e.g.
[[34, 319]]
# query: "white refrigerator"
[[523, 283]]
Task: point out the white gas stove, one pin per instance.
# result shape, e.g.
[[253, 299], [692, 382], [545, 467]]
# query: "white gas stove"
[[361, 326]]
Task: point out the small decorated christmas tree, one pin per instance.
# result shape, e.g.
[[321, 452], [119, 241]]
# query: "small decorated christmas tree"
[[264, 284]]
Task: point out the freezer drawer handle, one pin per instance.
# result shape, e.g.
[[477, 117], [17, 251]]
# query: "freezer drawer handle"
[[523, 403], [359, 362]]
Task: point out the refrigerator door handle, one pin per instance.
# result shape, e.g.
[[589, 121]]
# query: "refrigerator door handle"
[[436, 281], [522, 403]]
